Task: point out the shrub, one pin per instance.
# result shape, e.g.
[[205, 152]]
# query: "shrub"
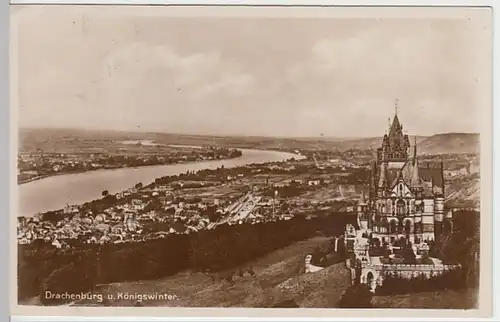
[[356, 296], [396, 284], [66, 280]]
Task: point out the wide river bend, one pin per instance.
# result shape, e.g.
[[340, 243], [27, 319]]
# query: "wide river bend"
[[56, 192]]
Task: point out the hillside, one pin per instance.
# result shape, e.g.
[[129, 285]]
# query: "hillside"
[[464, 192], [277, 279], [449, 143], [61, 139]]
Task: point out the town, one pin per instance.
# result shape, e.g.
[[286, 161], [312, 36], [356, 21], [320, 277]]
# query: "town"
[[202, 200], [37, 165]]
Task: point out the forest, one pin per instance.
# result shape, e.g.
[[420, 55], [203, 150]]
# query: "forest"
[[43, 268]]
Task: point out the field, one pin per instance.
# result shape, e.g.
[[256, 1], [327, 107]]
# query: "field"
[[277, 278]]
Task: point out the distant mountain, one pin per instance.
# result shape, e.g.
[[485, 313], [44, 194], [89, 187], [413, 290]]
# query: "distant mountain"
[[445, 143], [55, 139], [450, 143]]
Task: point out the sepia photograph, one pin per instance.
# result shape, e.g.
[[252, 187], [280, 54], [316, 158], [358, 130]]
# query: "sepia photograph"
[[182, 157]]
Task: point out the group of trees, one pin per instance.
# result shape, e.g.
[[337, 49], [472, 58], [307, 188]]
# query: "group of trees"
[[394, 283], [230, 246], [43, 268], [356, 296]]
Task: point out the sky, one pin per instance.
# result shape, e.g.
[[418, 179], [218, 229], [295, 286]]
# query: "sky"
[[257, 75]]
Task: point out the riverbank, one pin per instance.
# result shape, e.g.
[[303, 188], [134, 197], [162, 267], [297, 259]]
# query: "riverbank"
[[56, 192], [21, 182]]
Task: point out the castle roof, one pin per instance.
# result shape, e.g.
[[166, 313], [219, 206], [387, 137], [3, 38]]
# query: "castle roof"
[[396, 125], [415, 178], [426, 175]]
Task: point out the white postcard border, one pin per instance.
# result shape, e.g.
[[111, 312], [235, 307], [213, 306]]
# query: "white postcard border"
[[49, 314]]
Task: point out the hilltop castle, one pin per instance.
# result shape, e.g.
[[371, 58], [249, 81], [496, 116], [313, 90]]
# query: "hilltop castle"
[[405, 199], [404, 212]]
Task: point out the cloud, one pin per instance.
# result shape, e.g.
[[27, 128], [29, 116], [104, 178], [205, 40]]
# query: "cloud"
[[333, 76], [159, 67]]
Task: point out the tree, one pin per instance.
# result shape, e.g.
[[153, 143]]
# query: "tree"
[[105, 193], [409, 256], [356, 296]]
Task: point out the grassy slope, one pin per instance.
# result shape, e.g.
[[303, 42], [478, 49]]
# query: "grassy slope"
[[449, 299], [464, 192], [278, 278], [321, 289]]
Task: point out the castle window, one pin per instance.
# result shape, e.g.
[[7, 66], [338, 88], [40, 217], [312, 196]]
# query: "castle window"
[[400, 207], [384, 227], [393, 227], [408, 228], [400, 189]]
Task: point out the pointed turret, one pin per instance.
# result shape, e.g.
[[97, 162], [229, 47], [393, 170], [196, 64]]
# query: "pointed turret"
[[382, 179], [414, 150], [373, 180], [415, 178], [442, 178]]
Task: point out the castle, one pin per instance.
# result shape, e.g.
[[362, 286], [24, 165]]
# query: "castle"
[[404, 210], [405, 199]]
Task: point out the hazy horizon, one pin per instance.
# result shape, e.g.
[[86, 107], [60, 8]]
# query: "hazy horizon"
[[138, 131], [85, 68]]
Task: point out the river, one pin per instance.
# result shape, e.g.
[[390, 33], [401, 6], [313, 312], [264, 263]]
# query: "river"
[[56, 192]]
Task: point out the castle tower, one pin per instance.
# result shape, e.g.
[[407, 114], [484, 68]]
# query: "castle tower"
[[416, 186], [382, 181], [362, 213], [373, 186], [428, 216], [448, 222], [438, 207], [438, 216], [405, 200]]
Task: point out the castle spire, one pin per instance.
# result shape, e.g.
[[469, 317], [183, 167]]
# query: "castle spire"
[[414, 150], [396, 107], [415, 179], [442, 178], [395, 127]]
